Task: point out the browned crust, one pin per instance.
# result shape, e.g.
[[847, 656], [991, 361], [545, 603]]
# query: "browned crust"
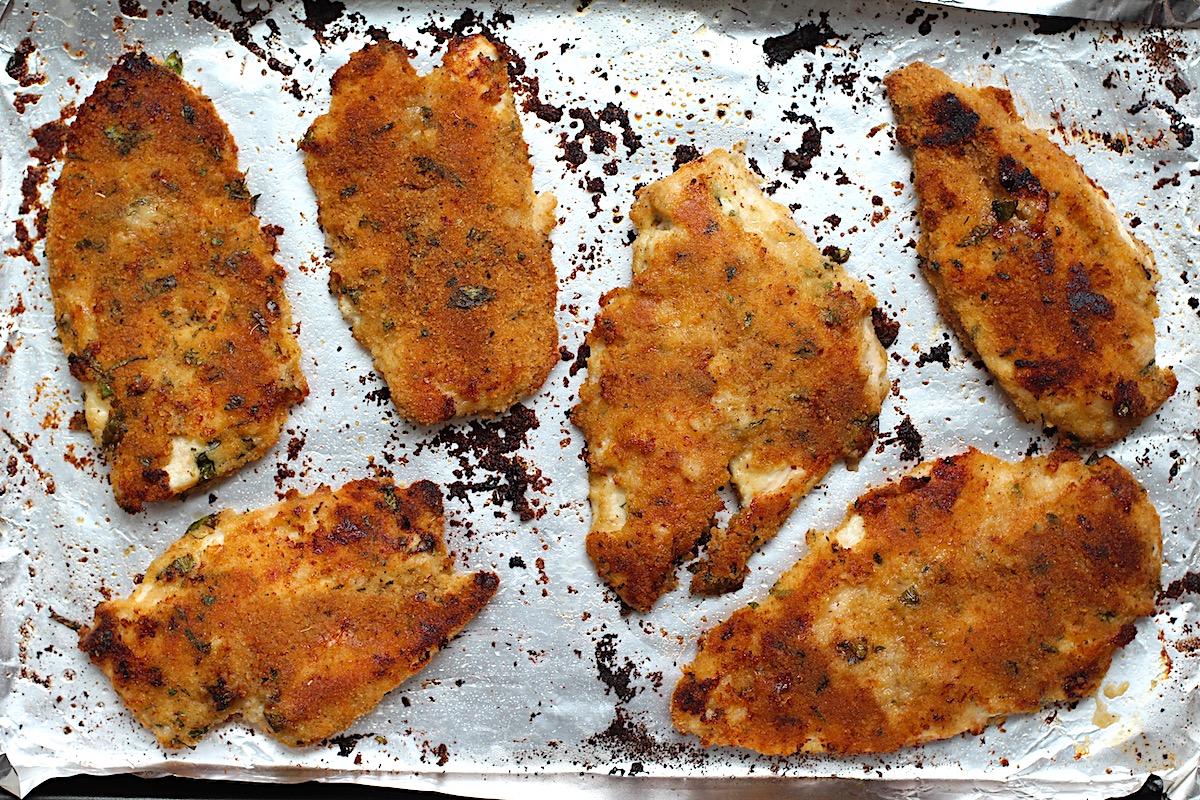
[[442, 250], [1029, 261], [979, 589], [300, 620], [168, 300], [727, 342]]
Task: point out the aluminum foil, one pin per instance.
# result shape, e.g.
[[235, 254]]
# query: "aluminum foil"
[[551, 688], [1167, 13]]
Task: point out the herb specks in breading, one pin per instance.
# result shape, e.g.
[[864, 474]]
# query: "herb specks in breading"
[[205, 466], [468, 297], [125, 138]]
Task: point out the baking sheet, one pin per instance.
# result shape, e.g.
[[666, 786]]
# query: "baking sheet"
[[551, 688]]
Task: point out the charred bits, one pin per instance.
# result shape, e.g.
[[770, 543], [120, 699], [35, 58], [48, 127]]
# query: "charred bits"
[[319, 14], [799, 162], [685, 154], [616, 678], [470, 21], [1183, 130], [956, 121], [806, 36], [938, 354], [18, 65], [886, 328], [240, 30], [133, 9], [1189, 584], [909, 439], [593, 137], [51, 142], [486, 451]]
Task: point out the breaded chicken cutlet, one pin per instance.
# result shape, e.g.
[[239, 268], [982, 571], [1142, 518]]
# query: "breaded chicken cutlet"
[[168, 300], [297, 618], [737, 353], [441, 247], [1030, 261], [969, 590]]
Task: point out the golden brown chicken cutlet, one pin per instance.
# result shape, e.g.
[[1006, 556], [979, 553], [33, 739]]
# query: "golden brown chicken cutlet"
[[441, 246], [737, 354], [297, 618], [168, 300], [1030, 261], [969, 590]]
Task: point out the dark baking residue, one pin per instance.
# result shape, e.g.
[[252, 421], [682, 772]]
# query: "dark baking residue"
[[295, 445], [595, 187], [1052, 25], [22, 100], [886, 328], [1189, 583], [318, 14], [806, 36], [573, 152], [132, 8], [1114, 143], [908, 438], [598, 139], [470, 21], [1177, 86], [627, 739], [533, 103], [51, 142], [240, 30], [26, 450], [18, 65], [491, 446], [380, 397], [581, 359], [616, 679], [346, 743], [440, 751], [938, 354], [1184, 132], [1164, 50], [1176, 464], [685, 154], [799, 162]]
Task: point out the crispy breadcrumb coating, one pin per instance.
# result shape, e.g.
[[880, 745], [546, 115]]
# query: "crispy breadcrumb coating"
[[1030, 262]]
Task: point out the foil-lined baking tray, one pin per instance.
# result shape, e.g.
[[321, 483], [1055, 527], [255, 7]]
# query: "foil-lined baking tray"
[[552, 688]]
